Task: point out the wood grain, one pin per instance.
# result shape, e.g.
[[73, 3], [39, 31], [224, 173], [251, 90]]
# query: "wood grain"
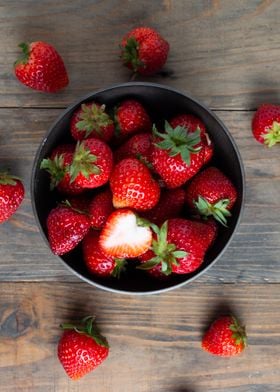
[[224, 53], [253, 255], [155, 341]]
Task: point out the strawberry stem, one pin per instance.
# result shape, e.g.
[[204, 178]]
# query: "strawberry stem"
[[130, 55], [120, 266], [24, 57], [165, 253], [239, 332], [179, 141], [8, 179], [93, 118], [218, 210], [88, 327], [273, 134], [55, 167], [83, 162]]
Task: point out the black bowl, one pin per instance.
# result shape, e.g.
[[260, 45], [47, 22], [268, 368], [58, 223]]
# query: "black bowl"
[[162, 102]]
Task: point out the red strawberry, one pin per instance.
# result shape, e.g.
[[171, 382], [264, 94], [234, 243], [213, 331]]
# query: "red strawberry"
[[131, 117], [11, 195], [100, 208], [177, 154], [192, 123], [91, 120], [40, 67], [225, 337], [144, 50], [122, 236], [58, 163], [170, 205], [133, 186], [211, 193], [97, 262], [80, 203], [266, 124], [81, 348], [92, 163], [66, 228], [179, 246], [138, 146]]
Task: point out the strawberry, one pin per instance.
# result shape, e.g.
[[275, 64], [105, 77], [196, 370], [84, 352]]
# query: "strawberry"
[[144, 50], [133, 186], [192, 123], [211, 193], [177, 155], [91, 120], [225, 337], [97, 262], [100, 208], [122, 236], [66, 228], [81, 348], [57, 166], [131, 117], [92, 163], [179, 246], [40, 67], [11, 195], [138, 146], [170, 205], [266, 124]]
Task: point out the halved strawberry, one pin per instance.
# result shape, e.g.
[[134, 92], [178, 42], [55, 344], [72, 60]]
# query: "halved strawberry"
[[122, 236]]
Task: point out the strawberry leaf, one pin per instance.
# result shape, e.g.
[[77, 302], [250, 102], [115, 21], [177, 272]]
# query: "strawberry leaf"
[[272, 136], [83, 163], [218, 210]]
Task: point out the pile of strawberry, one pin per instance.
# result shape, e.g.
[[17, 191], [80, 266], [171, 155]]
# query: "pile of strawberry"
[[133, 192]]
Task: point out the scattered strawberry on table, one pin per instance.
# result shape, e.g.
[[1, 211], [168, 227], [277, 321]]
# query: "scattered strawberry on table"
[[40, 67], [11, 195], [144, 50], [266, 124], [225, 337], [81, 348], [143, 197]]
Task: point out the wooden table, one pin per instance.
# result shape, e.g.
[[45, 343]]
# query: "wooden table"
[[227, 55]]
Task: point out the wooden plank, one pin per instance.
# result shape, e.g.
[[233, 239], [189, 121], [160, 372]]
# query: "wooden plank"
[[224, 53], [253, 255], [154, 340]]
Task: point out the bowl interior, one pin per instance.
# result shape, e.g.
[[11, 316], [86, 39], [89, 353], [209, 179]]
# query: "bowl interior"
[[161, 103]]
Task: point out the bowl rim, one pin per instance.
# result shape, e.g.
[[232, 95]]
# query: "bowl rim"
[[117, 86]]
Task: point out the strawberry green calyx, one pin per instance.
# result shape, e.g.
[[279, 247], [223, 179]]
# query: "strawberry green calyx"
[[8, 179], [88, 327], [55, 167], [239, 333], [179, 140], [24, 57], [83, 162], [272, 136], [165, 253], [218, 210], [93, 118], [130, 54], [120, 265]]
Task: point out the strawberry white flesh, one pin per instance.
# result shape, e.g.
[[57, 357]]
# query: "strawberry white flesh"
[[123, 237]]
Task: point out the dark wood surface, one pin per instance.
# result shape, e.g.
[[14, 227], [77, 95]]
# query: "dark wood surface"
[[225, 54]]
